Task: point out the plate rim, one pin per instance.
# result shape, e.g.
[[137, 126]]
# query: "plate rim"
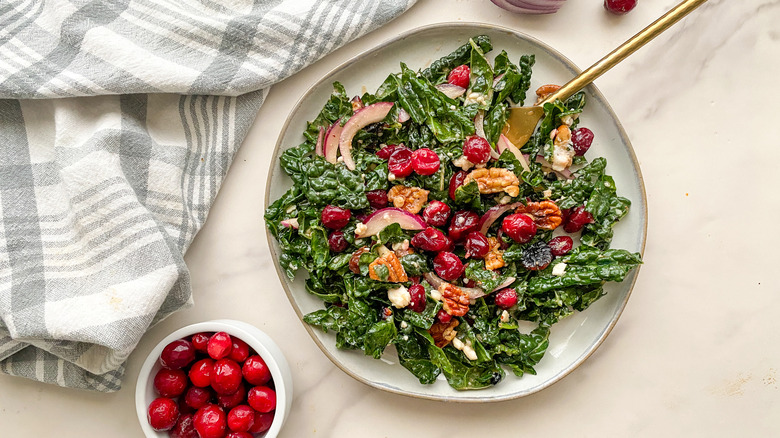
[[592, 90]]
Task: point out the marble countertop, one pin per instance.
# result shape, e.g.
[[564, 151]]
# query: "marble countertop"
[[694, 354]]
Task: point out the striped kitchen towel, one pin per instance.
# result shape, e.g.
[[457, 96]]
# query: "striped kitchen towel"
[[118, 122]]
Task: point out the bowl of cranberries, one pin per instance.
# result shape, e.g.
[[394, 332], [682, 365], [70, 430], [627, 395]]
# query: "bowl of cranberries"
[[214, 379]]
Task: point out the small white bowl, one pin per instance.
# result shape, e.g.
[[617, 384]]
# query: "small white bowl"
[[254, 337]]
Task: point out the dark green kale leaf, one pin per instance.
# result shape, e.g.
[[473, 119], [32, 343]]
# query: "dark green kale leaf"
[[327, 183], [337, 107], [481, 77], [379, 336], [467, 196], [413, 355], [439, 69], [587, 266], [521, 352], [415, 264], [607, 208], [486, 279]]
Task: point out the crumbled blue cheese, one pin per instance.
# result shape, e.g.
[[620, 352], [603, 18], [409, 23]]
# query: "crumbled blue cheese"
[[399, 297], [390, 176], [360, 228], [401, 246], [559, 269], [504, 316], [569, 119], [562, 156], [404, 324], [505, 200], [463, 163], [547, 193]]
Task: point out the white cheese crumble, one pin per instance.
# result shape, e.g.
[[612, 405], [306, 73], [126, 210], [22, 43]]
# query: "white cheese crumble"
[[568, 120], [466, 348], [435, 294], [559, 269], [562, 156], [463, 163], [390, 176], [360, 228], [404, 324], [401, 245], [504, 316], [399, 297], [547, 193], [505, 200], [475, 98], [340, 159]]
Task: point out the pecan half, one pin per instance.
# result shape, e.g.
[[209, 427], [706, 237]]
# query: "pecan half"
[[354, 261], [454, 300], [396, 273], [495, 180], [546, 90], [546, 214], [410, 199], [443, 334], [495, 258]]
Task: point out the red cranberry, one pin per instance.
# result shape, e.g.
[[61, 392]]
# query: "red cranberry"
[[417, 303], [388, 150], [227, 401], [560, 245], [178, 354], [476, 149], [506, 298], [581, 140], [436, 213], [256, 371], [197, 397], [239, 435], [425, 161], [576, 218], [619, 7], [463, 222], [460, 76], [334, 217], [337, 242], [170, 383], [447, 266], [400, 163], [226, 377], [443, 317], [201, 341], [377, 198], [456, 181], [263, 422], [200, 373], [210, 422], [520, 227], [477, 245], [430, 239], [240, 351], [162, 414], [262, 399], [184, 428], [241, 418]]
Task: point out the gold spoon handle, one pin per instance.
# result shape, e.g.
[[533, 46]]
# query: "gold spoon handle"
[[625, 49]]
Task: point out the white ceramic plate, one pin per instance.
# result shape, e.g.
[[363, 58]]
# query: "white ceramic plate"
[[573, 339]]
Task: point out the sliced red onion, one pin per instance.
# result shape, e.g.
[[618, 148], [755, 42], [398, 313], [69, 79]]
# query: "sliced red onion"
[[362, 118], [473, 292], [290, 223], [497, 79], [391, 215], [479, 123], [506, 283], [530, 6], [450, 90], [318, 148], [565, 173], [504, 143], [403, 116], [493, 214], [331, 146]]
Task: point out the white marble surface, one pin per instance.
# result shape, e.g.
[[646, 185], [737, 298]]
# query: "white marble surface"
[[695, 352]]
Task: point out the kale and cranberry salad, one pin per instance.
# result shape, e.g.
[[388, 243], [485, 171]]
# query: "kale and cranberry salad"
[[422, 226]]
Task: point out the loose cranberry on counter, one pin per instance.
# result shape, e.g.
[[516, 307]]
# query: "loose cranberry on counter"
[[477, 245], [334, 217], [443, 317], [377, 198], [460, 76], [226, 377], [200, 372], [430, 239], [197, 397], [519, 227], [337, 242], [228, 401], [262, 399], [417, 293], [210, 422], [456, 181], [185, 427], [448, 266], [263, 422], [425, 161], [581, 140], [560, 245], [436, 213], [400, 163], [201, 341], [240, 351], [162, 414], [476, 149], [241, 418], [256, 371], [506, 298], [576, 218], [170, 383], [619, 7], [388, 150], [463, 222], [178, 354]]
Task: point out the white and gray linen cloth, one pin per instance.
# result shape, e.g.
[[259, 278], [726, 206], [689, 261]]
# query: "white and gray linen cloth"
[[118, 123]]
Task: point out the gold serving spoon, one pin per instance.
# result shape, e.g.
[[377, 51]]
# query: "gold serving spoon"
[[521, 122]]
